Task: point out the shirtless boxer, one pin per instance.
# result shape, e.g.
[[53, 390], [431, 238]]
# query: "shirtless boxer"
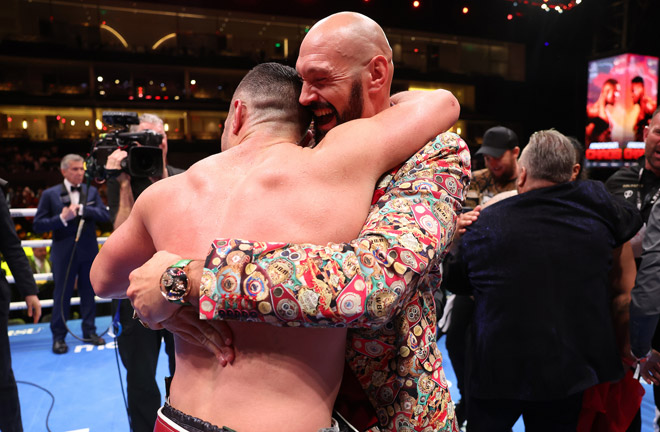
[[265, 186]]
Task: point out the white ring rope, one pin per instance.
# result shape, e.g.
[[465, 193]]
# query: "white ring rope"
[[48, 242], [37, 277], [23, 212], [30, 212], [47, 303]]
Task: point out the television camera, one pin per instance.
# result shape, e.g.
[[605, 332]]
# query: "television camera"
[[145, 158]]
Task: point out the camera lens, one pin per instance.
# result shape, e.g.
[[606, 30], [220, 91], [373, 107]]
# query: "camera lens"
[[145, 161]]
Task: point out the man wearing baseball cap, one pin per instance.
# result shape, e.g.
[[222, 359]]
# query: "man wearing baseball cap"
[[500, 150]]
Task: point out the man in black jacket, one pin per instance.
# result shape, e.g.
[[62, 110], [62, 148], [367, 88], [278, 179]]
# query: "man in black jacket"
[[538, 266], [10, 246]]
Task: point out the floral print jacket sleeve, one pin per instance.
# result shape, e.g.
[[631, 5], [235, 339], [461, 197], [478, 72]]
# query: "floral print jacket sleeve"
[[379, 285]]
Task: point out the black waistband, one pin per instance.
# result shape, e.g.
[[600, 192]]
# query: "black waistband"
[[194, 424], [190, 423]]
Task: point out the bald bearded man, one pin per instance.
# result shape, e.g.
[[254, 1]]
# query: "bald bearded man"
[[346, 64]]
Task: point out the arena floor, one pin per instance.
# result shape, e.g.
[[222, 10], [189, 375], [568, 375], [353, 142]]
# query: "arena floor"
[[85, 385]]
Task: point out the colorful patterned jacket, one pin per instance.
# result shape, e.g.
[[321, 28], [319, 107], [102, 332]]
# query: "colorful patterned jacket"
[[380, 286]]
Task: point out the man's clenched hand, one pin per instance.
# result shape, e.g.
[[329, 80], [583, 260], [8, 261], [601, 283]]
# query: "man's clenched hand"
[[155, 311], [144, 290]]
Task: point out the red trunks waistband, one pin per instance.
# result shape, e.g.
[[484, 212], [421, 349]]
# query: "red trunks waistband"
[[163, 424]]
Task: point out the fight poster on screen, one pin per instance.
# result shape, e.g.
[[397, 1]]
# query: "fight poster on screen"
[[622, 94]]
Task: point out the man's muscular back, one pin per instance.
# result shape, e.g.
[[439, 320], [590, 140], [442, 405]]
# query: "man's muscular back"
[[280, 192]]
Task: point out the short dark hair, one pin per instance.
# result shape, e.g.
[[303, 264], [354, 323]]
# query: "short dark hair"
[[611, 81], [273, 90], [638, 79]]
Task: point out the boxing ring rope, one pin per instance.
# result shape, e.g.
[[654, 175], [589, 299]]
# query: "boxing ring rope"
[[48, 242], [48, 303], [30, 212], [23, 212]]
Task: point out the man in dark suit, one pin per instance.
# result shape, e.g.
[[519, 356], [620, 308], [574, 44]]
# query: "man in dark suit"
[[538, 266], [60, 210], [10, 246]]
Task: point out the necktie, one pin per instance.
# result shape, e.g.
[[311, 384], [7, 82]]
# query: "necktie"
[[76, 188]]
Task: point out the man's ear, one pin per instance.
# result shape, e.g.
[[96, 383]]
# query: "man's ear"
[[378, 73], [522, 179], [575, 172], [516, 152], [238, 120]]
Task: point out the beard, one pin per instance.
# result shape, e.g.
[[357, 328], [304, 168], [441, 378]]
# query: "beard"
[[506, 175], [352, 112]]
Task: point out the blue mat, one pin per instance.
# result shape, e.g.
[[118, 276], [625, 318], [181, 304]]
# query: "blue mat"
[[84, 382], [86, 386]]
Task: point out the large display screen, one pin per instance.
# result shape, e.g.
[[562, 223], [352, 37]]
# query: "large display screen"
[[621, 97]]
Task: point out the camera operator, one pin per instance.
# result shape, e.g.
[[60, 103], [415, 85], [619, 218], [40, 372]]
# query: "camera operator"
[[138, 346]]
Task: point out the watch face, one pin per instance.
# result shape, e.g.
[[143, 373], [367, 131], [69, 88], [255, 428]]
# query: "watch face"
[[174, 284]]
